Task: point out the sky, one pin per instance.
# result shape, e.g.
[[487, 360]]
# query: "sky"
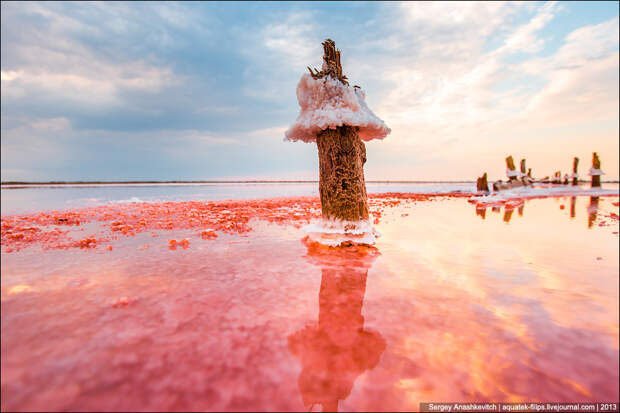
[[206, 90]]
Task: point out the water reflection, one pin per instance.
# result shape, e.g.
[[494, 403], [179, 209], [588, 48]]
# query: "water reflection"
[[337, 349], [592, 210]]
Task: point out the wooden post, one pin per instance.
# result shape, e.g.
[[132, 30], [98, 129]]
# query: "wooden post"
[[596, 164], [342, 155], [572, 206], [524, 177], [482, 184], [575, 165], [510, 165]]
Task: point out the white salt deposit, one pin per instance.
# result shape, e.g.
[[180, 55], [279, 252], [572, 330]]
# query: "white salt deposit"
[[334, 232], [328, 103], [534, 192], [595, 172], [514, 173]]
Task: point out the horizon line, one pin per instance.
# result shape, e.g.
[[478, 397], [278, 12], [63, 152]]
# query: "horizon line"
[[98, 182]]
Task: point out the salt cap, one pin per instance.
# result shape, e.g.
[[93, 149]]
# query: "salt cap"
[[329, 103]]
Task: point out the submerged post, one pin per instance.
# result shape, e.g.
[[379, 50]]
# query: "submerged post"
[[335, 116], [595, 171]]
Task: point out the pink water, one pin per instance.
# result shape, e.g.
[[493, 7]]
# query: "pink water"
[[101, 310]]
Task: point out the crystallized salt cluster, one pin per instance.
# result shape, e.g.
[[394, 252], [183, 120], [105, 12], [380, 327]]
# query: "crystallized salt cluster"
[[328, 103]]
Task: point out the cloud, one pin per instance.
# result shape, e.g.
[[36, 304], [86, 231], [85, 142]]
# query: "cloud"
[[186, 90]]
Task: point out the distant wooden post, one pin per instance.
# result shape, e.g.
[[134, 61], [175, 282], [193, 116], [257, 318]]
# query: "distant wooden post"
[[482, 184], [575, 176], [595, 171], [524, 178], [511, 171], [529, 172]]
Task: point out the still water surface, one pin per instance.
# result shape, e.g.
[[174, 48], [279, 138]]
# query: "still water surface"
[[455, 303]]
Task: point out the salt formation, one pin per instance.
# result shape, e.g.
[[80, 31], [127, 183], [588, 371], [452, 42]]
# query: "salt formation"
[[336, 117], [328, 103]]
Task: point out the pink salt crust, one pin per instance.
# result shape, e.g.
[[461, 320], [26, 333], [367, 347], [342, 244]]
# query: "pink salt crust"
[[328, 103], [51, 230]]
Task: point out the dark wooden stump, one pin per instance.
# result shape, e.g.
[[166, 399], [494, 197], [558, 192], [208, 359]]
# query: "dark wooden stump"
[[482, 184], [342, 155]]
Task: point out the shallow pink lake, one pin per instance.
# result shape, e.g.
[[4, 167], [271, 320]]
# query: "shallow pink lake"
[[455, 302]]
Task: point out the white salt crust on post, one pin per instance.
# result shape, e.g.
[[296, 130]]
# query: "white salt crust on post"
[[328, 103], [510, 173]]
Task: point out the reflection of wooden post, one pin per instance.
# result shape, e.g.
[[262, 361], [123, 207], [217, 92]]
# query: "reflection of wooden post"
[[521, 209], [508, 214], [337, 349], [572, 206], [596, 164], [575, 165], [592, 210], [481, 212], [482, 184]]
